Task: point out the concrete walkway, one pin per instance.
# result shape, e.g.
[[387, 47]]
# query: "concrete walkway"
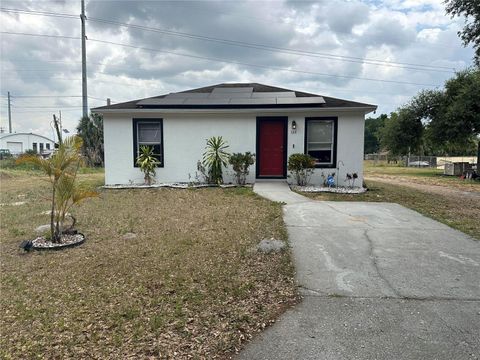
[[379, 282]]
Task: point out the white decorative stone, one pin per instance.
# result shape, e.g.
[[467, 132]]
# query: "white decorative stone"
[[268, 246], [129, 236], [42, 229]]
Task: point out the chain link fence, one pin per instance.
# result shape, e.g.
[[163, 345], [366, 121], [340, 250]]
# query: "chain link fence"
[[418, 160]]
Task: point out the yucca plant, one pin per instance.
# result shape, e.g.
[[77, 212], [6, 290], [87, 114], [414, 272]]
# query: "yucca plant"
[[215, 157], [147, 162], [61, 169]]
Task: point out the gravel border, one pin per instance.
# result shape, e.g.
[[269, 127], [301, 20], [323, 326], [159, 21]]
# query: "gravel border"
[[71, 241], [337, 190], [173, 186]]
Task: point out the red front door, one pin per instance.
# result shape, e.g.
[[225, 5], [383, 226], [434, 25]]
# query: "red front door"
[[271, 147]]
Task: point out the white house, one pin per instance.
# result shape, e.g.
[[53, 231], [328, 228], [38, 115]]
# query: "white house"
[[18, 143], [269, 121]]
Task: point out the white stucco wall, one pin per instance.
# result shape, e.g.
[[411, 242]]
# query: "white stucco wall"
[[26, 139], [185, 137]]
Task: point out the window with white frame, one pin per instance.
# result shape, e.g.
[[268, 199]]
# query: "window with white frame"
[[320, 138], [148, 132]]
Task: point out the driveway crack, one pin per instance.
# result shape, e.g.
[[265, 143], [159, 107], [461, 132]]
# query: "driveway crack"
[[373, 259]]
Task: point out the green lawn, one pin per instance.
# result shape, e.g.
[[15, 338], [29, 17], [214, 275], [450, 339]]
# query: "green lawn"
[[187, 285]]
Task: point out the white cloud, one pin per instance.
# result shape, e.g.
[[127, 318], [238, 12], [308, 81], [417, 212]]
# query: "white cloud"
[[406, 31]]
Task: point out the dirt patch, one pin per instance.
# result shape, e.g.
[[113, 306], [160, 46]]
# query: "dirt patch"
[[5, 176], [421, 184]]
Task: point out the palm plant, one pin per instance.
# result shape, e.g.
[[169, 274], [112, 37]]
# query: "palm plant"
[[90, 129], [61, 169], [214, 157], [147, 162]]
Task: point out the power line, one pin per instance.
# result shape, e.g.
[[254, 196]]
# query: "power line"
[[36, 12], [40, 35], [46, 96], [282, 50], [248, 64], [260, 66], [263, 47]]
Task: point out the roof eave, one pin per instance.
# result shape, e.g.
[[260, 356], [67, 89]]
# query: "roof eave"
[[366, 109]]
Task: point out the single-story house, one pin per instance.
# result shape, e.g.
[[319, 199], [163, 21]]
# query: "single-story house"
[[271, 122], [18, 143]]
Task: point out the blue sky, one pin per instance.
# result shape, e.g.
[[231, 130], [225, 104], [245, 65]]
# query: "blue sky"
[[357, 50]]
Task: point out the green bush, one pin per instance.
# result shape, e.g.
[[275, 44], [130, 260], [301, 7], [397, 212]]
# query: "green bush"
[[301, 166], [240, 164], [214, 158], [147, 162], [31, 152]]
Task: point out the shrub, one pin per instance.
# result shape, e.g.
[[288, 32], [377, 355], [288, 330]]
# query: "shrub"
[[301, 166], [240, 163], [31, 152], [147, 162], [214, 158]]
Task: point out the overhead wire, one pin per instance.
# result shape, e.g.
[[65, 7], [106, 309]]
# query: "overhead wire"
[[414, 66]]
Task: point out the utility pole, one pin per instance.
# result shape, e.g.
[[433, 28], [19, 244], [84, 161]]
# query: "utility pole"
[[84, 63], [57, 129], [9, 114]]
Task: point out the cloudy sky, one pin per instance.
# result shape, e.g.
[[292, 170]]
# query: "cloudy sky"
[[380, 52]]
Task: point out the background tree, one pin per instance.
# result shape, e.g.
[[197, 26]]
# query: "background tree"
[[90, 129], [372, 136], [470, 9], [456, 124], [402, 132]]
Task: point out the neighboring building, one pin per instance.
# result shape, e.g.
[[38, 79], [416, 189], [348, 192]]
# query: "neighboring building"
[[18, 143], [271, 122]]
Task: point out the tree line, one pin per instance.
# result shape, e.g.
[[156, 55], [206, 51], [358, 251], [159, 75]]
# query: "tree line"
[[434, 122]]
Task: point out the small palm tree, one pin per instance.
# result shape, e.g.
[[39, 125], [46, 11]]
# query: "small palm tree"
[[61, 169], [147, 162], [214, 157]]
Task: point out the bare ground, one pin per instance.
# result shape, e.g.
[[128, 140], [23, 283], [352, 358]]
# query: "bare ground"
[[468, 193]]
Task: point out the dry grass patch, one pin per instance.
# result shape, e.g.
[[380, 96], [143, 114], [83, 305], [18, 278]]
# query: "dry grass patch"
[[186, 286], [459, 213], [425, 176]]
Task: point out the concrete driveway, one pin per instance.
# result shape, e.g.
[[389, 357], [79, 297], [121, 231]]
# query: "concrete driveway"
[[379, 282]]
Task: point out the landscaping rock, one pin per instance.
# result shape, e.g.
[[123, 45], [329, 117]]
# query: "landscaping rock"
[[129, 236], [268, 246], [337, 190], [42, 229], [18, 203], [66, 241]]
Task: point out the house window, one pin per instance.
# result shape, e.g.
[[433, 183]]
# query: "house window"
[[34, 147], [48, 146], [321, 140], [148, 132], [41, 147]]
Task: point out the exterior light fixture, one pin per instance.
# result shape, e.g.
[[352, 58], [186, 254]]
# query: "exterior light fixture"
[[294, 125]]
